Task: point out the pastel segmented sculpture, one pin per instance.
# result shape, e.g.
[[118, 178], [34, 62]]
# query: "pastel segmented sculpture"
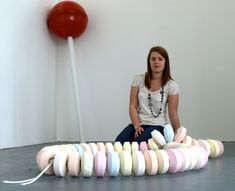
[[114, 159]]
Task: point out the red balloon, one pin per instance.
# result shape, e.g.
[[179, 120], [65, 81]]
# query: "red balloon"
[[67, 18]]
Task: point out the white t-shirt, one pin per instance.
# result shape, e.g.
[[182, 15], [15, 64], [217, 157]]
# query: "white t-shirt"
[[145, 115]]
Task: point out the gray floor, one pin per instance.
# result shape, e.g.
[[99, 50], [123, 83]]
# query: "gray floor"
[[19, 164]]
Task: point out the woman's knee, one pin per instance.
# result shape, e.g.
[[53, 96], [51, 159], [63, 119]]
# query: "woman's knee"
[[147, 133], [126, 134]]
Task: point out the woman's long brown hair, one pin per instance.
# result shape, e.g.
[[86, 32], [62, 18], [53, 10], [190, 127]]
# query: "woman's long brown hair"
[[166, 72]]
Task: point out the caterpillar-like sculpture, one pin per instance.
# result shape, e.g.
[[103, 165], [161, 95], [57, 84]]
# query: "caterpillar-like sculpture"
[[171, 153]]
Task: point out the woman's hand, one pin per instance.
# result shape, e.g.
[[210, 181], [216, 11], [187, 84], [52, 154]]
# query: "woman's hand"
[[138, 132]]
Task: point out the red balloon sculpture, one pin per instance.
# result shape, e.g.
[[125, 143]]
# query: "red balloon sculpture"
[[68, 20]]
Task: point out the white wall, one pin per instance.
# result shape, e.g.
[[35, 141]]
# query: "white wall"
[[199, 38], [37, 102], [27, 74]]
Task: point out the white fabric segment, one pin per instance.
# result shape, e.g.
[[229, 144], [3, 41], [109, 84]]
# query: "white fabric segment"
[[204, 144], [158, 138], [187, 158], [138, 163], [205, 155], [193, 160], [87, 162], [200, 158], [60, 163]]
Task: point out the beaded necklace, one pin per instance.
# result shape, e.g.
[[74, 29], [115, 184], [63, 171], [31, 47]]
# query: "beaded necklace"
[[150, 104]]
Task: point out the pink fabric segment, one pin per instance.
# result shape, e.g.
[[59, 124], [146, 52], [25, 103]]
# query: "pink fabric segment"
[[73, 164], [180, 134], [187, 140], [143, 146], [151, 162], [100, 163], [175, 160]]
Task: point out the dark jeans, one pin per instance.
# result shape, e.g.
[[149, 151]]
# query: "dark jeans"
[[127, 133]]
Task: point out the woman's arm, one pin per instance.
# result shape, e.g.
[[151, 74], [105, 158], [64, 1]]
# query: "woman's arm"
[[133, 104], [173, 101]]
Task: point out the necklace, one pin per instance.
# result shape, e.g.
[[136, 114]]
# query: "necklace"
[[150, 104]]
